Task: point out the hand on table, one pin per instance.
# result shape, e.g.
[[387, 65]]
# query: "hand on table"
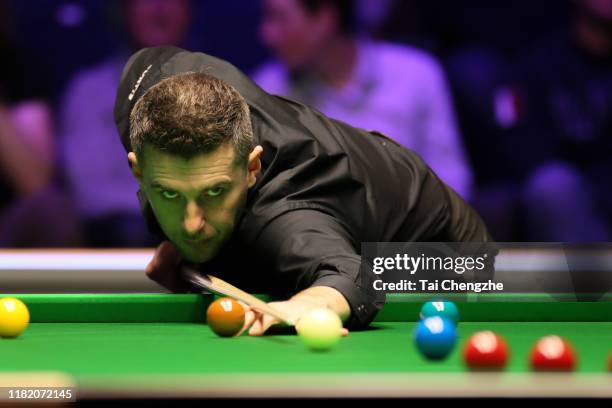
[[164, 268], [258, 323]]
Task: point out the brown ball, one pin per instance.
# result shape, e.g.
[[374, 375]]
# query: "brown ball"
[[225, 316]]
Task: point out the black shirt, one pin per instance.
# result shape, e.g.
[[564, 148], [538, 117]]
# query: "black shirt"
[[324, 188]]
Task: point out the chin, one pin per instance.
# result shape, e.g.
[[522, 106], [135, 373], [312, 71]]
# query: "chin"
[[196, 255]]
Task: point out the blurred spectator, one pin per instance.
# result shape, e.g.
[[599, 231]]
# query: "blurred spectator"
[[445, 26], [32, 212], [489, 107], [539, 130], [481, 43], [95, 163], [567, 81], [399, 91]]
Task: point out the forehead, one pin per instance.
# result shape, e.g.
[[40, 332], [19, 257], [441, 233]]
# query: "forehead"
[[158, 163]]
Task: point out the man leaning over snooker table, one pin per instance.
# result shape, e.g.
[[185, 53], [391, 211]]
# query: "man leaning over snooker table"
[[267, 193]]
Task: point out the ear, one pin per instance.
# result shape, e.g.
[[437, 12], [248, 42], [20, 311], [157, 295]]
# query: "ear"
[[136, 170], [254, 165]]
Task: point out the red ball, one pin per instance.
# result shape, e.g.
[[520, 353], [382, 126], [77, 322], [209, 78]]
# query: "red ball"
[[610, 362], [485, 350], [225, 316], [553, 353]]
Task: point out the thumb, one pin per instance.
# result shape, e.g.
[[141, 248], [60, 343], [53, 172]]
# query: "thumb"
[[167, 255]]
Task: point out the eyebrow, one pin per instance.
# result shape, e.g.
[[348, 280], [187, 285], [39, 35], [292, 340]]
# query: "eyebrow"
[[158, 184]]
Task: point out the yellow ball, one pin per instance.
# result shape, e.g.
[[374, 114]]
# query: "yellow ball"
[[14, 317], [319, 329]]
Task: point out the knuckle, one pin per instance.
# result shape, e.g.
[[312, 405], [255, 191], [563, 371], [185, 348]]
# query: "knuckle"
[[150, 270]]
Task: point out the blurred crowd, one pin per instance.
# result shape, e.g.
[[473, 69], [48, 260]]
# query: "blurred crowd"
[[510, 103]]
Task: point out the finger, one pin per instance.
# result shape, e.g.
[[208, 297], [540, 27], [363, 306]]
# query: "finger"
[[172, 281], [163, 268], [255, 329], [166, 257], [278, 321], [262, 325], [249, 318], [152, 265], [268, 321]]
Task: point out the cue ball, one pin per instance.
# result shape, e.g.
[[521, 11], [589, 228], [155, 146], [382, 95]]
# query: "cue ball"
[[225, 316], [14, 317], [435, 337], [319, 329], [442, 308], [553, 353], [485, 350]]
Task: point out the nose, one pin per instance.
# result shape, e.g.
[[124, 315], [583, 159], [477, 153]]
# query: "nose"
[[194, 219]]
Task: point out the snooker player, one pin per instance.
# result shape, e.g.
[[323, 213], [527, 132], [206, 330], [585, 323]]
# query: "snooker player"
[[267, 193]]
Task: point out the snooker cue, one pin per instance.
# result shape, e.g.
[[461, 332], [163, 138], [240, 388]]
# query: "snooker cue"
[[220, 287]]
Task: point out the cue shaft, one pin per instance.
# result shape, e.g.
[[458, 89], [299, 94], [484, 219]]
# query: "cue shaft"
[[221, 287]]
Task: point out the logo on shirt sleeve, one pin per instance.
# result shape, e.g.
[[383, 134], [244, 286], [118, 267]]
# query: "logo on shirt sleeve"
[[137, 85]]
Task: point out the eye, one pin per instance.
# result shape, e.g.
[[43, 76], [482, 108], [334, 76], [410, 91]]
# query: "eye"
[[214, 192], [170, 195]]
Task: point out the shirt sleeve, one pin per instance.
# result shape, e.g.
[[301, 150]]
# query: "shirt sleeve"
[[313, 248]]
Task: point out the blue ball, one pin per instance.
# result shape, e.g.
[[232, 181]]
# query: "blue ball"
[[435, 337], [444, 309]]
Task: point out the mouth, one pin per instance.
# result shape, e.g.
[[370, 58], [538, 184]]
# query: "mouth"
[[197, 241]]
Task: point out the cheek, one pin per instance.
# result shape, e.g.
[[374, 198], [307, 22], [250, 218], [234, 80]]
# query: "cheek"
[[224, 216], [168, 216]]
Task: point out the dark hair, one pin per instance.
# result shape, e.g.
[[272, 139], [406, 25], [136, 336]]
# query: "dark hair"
[[191, 113], [345, 10]]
